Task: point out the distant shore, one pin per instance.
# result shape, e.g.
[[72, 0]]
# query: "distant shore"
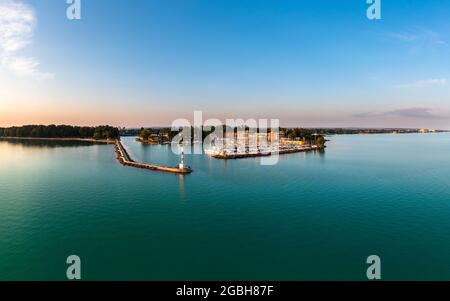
[[103, 141], [147, 142]]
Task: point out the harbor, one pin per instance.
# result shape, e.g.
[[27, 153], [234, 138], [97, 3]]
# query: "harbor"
[[124, 158], [258, 146], [234, 154]]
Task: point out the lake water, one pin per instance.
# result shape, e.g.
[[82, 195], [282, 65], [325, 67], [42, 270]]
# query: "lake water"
[[313, 216]]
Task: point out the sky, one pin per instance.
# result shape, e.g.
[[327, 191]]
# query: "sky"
[[310, 63]]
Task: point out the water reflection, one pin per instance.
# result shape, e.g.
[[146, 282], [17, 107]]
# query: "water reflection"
[[321, 152], [181, 188], [44, 143]]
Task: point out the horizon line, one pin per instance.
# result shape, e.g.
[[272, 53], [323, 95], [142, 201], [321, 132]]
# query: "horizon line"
[[281, 126]]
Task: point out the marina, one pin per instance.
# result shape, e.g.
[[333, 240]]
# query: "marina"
[[234, 152]]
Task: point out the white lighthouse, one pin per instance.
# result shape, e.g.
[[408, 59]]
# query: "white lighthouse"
[[181, 165]]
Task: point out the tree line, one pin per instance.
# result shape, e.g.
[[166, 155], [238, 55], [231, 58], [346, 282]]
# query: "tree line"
[[311, 136], [60, 131]]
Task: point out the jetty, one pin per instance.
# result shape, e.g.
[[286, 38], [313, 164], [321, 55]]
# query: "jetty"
[[124, 158]]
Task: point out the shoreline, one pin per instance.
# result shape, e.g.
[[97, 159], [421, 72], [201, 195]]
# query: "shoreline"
[[389, 134], [147, 142], [102, 141]]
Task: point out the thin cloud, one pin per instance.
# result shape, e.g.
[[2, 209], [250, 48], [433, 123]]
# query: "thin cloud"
[[418, 36], [423, 113], [404, 37], [417, 113], [428, 83], [27, 66], [17, 24], [365, 115]]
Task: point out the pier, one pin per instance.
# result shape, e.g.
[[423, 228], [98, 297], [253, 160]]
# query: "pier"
[[124, 158], [242, 155]]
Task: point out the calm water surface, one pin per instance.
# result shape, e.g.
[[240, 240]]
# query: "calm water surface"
[[314, 216]]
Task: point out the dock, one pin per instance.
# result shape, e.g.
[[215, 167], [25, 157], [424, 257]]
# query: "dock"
[[124, 158], [234, 155]]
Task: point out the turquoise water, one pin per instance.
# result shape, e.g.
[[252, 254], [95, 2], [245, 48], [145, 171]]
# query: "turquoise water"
[[314, 216]]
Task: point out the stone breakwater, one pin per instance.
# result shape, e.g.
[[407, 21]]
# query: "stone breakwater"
[[124, 158]]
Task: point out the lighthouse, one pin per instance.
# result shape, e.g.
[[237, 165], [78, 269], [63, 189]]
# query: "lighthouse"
[[181, 165]]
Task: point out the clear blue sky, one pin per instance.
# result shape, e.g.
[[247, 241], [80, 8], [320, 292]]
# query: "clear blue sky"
[[308, 63]]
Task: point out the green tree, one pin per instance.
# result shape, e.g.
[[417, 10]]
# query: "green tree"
[[320, 141], [145, 134], [98, 135]]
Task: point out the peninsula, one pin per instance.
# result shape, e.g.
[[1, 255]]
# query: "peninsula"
[[103, 133]]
